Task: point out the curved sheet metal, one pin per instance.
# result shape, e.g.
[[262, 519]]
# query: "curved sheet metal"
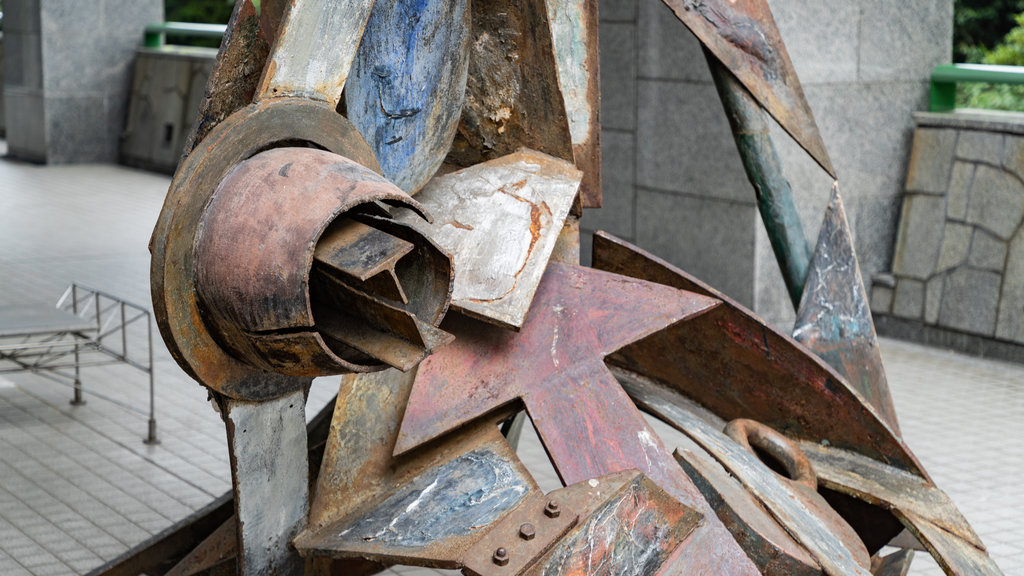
[[407, 85], [734, 364]]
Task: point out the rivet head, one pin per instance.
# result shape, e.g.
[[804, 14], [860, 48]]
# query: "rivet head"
[[500, 557], [526, 531], [552, 510]]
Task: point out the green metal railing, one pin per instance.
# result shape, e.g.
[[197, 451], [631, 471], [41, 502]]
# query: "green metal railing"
[[156, 34], [947, 76]]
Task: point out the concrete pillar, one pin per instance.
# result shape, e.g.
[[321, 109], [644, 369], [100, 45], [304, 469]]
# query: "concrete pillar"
[[674, 182], [67, 72]]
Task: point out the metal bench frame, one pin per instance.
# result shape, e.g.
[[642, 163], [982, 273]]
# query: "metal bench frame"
[[95, 334]]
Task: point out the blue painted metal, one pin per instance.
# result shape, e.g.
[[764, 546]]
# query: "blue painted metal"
[[775, 199], [454, 499], [834, 317], [407, 84]]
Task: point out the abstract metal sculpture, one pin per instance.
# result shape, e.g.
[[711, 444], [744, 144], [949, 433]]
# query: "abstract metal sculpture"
[[290, 247]]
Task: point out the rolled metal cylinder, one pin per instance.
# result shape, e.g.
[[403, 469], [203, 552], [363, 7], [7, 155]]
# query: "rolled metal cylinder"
[[255, 265]]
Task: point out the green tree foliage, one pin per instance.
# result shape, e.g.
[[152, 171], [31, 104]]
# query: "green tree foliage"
[[978, 25], [1009, 52], [209, 11]]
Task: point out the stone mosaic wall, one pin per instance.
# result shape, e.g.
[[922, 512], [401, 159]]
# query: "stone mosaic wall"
[[959, 258]]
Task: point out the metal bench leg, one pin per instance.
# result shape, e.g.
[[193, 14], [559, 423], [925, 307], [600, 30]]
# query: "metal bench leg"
[[77, 400]]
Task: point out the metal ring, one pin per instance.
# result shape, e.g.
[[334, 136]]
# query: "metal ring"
[[752, 434]]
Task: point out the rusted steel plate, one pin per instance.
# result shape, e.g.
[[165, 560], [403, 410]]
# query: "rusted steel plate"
[[632, 527], [772, 549], [407, 84], [567, 248], [834, 317], [524, 536], [500, 220], [790, 503], [734, 364], [742, 34], [554, 364], [317, 70], [218, 548], [236, 72], [426, 509], [172, 273], [271, 14], [954, 555], [361, 252], [924, 509], [254, 269], [270, 473], [574, 33], [895, 564], [513, 98]]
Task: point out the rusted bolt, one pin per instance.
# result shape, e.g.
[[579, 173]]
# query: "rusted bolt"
[[551, 510], [526, 531], [500, 557]]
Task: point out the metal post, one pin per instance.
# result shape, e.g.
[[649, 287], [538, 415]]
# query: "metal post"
[[764, 170], [77, 399], [151, 438], [124, 334], [270, 474]]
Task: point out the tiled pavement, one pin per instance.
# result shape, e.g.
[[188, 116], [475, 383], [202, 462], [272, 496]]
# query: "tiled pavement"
[[78, 486]]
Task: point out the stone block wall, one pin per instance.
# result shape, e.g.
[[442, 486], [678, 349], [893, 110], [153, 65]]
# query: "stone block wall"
[[958, 264], [67, 71], [673, 181]]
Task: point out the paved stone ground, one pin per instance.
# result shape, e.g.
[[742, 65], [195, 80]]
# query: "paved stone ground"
[[78, 486]]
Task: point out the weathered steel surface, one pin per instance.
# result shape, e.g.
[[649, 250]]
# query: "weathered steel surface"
[[317, 70], [236, 72], [797, 508], [217, 549], [166, 548], [924, 509], [834, 317], [954, 555], [764, 170], [574, 34], [500, 220], [895, 564], [269, 470], [757, 438], [742, 34], [254, 268], [734, 364], [407, 83], [525, 535], [567, 248], [513, 98], [172, 272], [478, 481], [362, 254], [554, 364], [194, 536], [772, 549], [453, 499], [632, 527]]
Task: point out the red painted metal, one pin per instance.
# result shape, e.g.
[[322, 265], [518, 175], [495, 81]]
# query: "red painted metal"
[[734, 364], [554, 364]]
